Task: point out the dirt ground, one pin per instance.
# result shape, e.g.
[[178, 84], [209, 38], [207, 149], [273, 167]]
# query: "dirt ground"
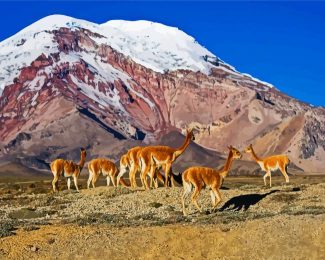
[[257, 222]]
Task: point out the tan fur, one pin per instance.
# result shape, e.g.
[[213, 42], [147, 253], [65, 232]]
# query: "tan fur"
[[130, 161], [203, 176], [152, 158], [69, 169], [124, 165], [271, 163], [107, 168]]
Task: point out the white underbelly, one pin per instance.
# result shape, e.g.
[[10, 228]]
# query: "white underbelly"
[[159, 163], [68, 174]]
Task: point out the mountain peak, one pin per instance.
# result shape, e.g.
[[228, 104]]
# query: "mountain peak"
[[103, 81], [153, 45]]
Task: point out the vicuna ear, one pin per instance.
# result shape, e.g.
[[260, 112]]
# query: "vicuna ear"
[[229, 147], [81, 149], [250, 145]]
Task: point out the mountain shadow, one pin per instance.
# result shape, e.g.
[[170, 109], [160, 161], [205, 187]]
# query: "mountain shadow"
[[244, 201]]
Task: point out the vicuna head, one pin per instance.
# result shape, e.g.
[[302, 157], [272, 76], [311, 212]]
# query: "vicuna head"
[[190, 135], [235, 153], [83, 152], [249, 149]]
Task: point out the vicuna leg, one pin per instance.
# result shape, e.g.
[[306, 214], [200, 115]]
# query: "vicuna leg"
[[152, 174], [155, 180], [144, 176], [170, 177], [75, 180], [113, 180], [283, 169], [55, 183], [69, 183], [94, 179], [187, 190], [121, 173], [218, 196], [108, 180], [172, 181], [264, 178], [195, 195], [160, 178], [268, 174], [133, 171], [213, 198], [89, 179], [167, 170]]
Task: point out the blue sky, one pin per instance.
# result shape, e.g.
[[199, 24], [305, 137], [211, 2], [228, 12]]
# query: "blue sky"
[[279, 42]]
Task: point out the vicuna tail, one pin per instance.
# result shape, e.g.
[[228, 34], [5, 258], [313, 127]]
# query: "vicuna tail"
[[287, 162]]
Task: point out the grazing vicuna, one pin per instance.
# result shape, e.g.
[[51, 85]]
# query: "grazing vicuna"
[[69, 168], [130, 161], [153, 158], [107, 168], [271, 163], [198, 177]]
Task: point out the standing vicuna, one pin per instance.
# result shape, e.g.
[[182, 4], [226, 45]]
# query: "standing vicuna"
[[107, 168], [198, 177], [271, 163], [130, 161], [69, 168], [153, 158]]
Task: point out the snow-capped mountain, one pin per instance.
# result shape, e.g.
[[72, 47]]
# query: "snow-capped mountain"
[[63, 77], [153, 45]]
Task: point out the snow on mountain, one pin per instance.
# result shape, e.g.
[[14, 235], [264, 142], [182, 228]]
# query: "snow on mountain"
[[153, 45], [157, 46]]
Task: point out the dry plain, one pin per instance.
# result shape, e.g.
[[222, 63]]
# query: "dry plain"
[[253, 221]]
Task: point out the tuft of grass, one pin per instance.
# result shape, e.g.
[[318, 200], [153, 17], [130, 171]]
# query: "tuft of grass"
[[84, 221], [29, 213], [247, 187], [99, 218], [309, 210], [6, 229], [30, 228], [228, 217], [155, 204], [285, 197], [111, 193]]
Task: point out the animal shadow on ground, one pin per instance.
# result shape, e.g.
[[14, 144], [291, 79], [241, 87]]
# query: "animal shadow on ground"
[[244, 201]]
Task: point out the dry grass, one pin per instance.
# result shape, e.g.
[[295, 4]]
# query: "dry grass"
[[29, 207]]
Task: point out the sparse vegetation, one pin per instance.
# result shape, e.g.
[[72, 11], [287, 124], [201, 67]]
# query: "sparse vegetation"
[[7, 228], [308, 210], [155, 204], [125, 208], [285, 197]]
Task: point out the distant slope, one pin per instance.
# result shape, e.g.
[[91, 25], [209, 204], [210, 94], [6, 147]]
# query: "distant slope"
[[69, 83]]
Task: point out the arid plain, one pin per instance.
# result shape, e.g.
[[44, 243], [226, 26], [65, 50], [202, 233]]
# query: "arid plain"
[[286, 221]]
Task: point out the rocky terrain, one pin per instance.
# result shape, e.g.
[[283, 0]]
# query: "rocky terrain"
[[66, 83], [282, 222]]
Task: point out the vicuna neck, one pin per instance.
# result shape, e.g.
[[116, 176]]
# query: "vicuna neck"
[[255, 156], [181, 149], [228, 164], [82, 160]]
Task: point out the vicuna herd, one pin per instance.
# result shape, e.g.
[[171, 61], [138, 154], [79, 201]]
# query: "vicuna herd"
[[148, 161]]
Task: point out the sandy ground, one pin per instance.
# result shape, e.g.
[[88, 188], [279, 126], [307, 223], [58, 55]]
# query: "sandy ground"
[[282, 222]]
